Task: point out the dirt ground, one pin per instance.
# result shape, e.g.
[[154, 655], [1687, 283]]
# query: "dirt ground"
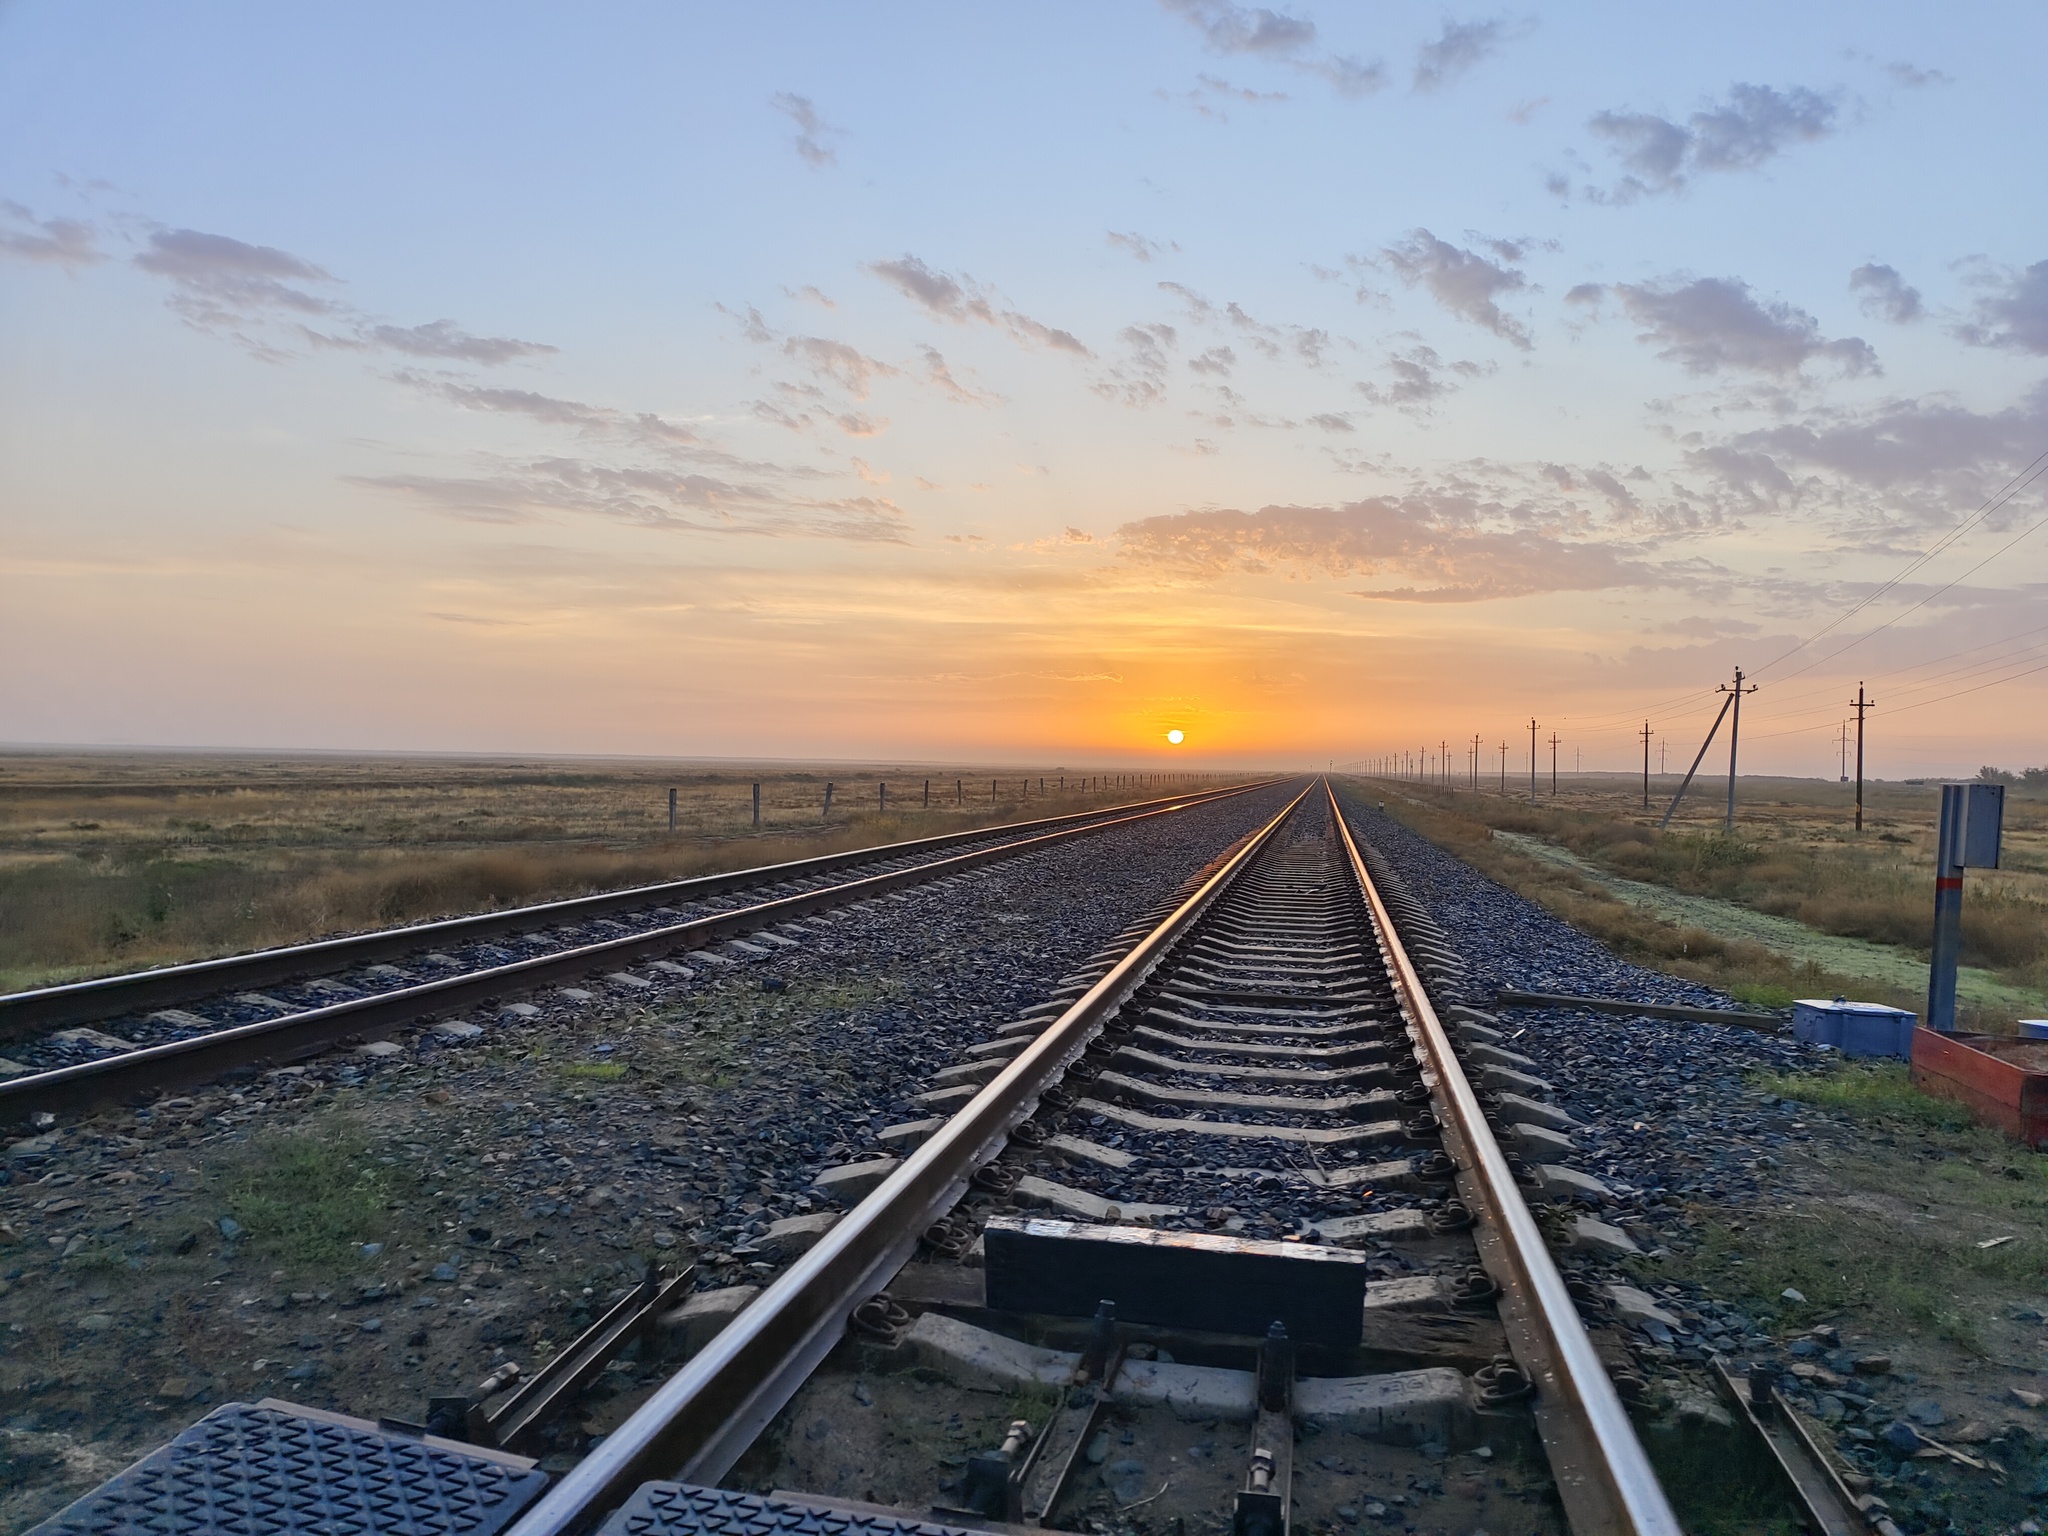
[[117, 861]]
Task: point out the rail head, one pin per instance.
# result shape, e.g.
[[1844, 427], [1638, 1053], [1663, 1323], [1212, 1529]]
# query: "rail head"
[[699, 1422], [1606, 1481]]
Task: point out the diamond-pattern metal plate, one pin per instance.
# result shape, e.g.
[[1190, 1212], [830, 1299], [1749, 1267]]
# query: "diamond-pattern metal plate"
[[681, 1509], [274, 1469]]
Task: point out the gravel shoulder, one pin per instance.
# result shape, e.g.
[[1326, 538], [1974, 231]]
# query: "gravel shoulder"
[[373, 1229]]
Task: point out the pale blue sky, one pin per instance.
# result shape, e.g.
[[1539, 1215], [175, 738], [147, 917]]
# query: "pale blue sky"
[[814, 380]]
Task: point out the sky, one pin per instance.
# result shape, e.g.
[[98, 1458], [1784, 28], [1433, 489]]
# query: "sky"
[[1021, 383]]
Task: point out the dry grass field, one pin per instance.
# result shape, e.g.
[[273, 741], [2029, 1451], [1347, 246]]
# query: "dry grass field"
[[115, 861], [1794, 857]]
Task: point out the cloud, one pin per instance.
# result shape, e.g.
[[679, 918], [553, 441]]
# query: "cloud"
[[1140, 380], [1211, 91], [1753, 125], [1216, 360], [961, 301], [1462, 281], [542, 489], [1714, 323], [224, 285], [219, 282], [1418, 379], [811, 129], [1929, 451], [1331, 421], [444, 338], [2013, 311], [847, 367], [1466, 546], [940, 376], [60, 242], [1456, 49], [1139, 246], [642, 429], [1260, 32], [1910, 77], [1885, 294]]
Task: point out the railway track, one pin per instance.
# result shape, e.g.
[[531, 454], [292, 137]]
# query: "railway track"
[[76, 1047], [1223, 1235]]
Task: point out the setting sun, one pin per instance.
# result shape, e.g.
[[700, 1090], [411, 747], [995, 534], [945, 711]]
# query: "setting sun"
[[1176, 737]]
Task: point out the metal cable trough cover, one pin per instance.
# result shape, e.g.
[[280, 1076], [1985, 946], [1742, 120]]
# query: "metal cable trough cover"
[[273, 1468]]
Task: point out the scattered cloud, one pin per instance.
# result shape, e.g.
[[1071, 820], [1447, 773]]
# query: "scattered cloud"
[[1259, 32], [1217, 361], [1753, 125], [1139, 246], [1523, 113], [229, 287], [1712, 323], [1418, 379], [1462, 281], [219, 283], [847, 367], [811, 295], [1213, 95], [2012, 310], [59, 242], [641, 429], [1139, 379], [811, 129], [444, 338], [1466, 546], [543, 489], [1331, 421], [1456, 49], [940, 376], [1885, 294], [961, 301], [1911, 77]]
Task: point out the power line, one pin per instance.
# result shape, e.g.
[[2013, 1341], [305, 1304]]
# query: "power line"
[[1991, 504]]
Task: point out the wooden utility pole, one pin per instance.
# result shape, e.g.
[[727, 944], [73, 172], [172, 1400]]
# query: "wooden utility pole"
[[1475, 762], [1553, 764], [1860, 704], [1532, 759], [1646, 765], [1503, 768]]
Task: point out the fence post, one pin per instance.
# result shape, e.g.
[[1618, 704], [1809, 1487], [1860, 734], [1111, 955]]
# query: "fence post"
[[959, 791], [927, 794], [881, 799], [671, 810], [757, 807], [828, 800]]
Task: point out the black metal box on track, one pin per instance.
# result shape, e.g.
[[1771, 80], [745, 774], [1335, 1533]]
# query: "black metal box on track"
[[1189, 1280]]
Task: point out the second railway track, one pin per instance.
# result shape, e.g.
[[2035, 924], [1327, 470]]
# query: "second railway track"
[[349, 989]]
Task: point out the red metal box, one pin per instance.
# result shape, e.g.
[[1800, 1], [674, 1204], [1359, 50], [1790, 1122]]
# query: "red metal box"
[[2002, 1082]]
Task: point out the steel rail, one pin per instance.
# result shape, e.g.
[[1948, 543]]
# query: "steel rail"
[[1602, 1474], [105, 997], [700, 1421], [113, 1079]]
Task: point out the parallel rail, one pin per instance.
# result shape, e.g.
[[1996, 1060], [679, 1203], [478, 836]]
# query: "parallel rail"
[[107, 997], [697, 1425], [1603, 1474], [153, 1069]]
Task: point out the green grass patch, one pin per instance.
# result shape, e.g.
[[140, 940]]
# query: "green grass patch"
[[1761, 994], [312, 1197], [1874, 1090], [1721, 1485]]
